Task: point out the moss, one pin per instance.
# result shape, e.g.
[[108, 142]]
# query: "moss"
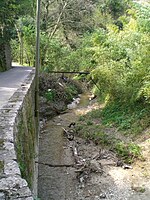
[[1, 143], [25, 141], [1, 167]]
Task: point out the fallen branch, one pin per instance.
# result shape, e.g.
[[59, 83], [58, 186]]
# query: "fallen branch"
[[78, 161], [55, 165]]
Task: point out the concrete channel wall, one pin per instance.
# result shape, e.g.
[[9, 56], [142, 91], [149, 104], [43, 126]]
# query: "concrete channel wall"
[[18, 144]]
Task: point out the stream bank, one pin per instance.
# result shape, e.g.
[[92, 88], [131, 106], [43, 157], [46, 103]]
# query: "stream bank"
[[94, 175]]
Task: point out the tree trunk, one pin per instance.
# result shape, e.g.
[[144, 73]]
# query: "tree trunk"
[[5, 57], [5, 53]]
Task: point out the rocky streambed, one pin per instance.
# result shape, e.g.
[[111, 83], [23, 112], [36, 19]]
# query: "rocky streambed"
[[72, 168]]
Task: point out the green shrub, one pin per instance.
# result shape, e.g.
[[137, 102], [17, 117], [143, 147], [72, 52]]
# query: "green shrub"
[[128, 151], [50, 95]]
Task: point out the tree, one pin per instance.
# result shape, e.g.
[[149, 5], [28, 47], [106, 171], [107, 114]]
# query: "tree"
[[10, 10], [66, 19]]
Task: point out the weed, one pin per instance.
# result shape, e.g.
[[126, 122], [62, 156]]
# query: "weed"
[[89, 123], [1, 143], [71, 91], [50, 95], [96, 114], [102, 138], [128, 151], [140, 189], [81, 118], [131, 119], [1, 166], [114, 115]]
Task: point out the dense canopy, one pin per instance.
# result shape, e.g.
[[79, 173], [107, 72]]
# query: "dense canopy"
[[109, 38]]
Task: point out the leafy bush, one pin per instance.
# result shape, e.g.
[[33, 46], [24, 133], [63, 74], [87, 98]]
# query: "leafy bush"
[[122, 63]]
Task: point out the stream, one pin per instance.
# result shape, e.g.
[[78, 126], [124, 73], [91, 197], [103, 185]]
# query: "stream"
[[56, 173], [62, 178]]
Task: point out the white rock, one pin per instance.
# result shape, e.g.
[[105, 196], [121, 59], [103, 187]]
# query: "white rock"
[[72, 105]]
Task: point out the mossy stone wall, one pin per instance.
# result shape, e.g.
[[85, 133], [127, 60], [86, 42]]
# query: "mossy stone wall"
[[18, 144]]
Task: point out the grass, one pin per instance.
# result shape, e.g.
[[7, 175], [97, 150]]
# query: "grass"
[[128, 151], [129, 121], [71, 91], [1, 167]]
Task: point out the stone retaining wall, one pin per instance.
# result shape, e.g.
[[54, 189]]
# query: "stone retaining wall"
[[18, 144]]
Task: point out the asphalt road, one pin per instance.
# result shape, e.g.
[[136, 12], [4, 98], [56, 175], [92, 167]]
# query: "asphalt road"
[[10, 82]]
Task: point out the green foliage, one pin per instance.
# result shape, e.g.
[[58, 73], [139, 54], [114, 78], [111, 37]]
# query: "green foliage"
[[143, 17], [128, 151], [91, 127], [122, 62], [25, 42], [132, 119], [56, 56], [115, 50], [50, 95], [10, 11], [71, 91], [89, 123], [15, 50], [115, 7], [57, 90]]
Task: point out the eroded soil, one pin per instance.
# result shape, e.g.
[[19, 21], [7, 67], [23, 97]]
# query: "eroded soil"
[[71, 168]]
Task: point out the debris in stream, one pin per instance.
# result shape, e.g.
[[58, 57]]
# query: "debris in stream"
[[92, 173], [79, 161], [95, 166], [93, 96], [74, 103], [56, 93], [72, 125], [84, 167], [56, 165], [119, 163], [84, 173], [69, 133], [82, 177], [127, 167], [102, 196]]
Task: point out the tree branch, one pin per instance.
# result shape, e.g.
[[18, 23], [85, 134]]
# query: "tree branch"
[[58, 21]]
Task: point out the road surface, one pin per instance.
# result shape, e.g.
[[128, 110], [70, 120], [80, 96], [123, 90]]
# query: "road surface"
[[10, 82]]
